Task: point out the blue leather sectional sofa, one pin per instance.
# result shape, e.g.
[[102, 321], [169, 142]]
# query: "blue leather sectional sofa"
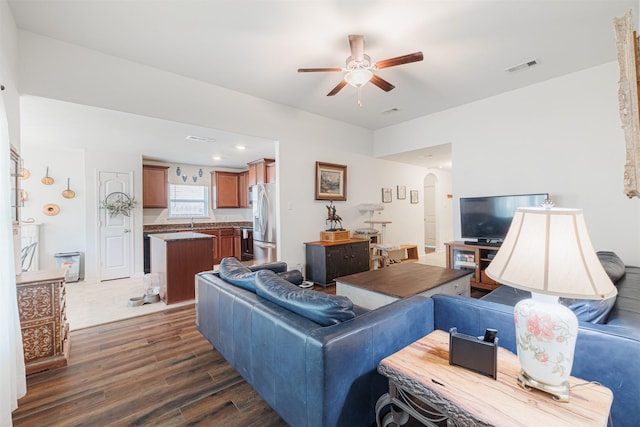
[[324, 374]]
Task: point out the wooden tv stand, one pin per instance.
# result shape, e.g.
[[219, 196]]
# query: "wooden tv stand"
[[472, 257]]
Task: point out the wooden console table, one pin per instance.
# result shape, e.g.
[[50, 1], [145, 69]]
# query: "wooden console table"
[[43, 319], [420, 375]]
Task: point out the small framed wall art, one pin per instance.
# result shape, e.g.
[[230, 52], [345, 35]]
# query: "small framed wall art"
[[402, 192], [386, 195], [331, 181], [414, 196]]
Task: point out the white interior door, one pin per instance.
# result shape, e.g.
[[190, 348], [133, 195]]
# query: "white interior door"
[[430, 216], [115, 231]]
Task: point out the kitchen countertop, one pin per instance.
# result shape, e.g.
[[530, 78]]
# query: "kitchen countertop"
[[181, 236], [168, 228]]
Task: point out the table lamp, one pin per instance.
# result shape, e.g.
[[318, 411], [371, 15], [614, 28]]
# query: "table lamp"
[[547, 251]]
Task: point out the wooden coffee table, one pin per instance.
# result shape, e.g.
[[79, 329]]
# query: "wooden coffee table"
[[373, 289]]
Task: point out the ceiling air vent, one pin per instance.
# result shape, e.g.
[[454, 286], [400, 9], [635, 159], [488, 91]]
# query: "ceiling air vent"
[[523, 66], [200, 138], [391, 110]]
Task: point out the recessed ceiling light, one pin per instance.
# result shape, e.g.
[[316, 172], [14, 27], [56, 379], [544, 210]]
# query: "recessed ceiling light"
[[216, 158], [199, 138], [241, 147]]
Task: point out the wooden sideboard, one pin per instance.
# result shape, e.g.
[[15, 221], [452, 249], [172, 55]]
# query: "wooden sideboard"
[[328, 260], [43, 319]]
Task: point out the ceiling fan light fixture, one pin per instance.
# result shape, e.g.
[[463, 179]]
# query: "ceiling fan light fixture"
[[358, 77]]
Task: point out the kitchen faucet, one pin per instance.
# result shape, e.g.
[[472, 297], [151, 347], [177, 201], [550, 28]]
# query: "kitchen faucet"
[[191, 223]]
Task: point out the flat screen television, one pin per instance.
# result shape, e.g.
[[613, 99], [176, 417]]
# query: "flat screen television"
[[487, 219]]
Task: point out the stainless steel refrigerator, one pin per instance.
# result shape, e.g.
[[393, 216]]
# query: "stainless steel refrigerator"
[[263, 202]]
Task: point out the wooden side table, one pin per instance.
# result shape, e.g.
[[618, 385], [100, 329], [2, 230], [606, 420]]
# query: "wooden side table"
[[424, 385]]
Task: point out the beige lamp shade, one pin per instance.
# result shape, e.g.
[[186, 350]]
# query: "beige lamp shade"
[[549, 251]]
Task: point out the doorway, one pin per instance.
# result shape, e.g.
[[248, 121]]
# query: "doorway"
[[115, 230], [430, 214]]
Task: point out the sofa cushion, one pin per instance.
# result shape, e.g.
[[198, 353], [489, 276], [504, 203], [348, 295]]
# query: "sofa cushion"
[[236, 273], [590, 310], [597, 311], [275, 266], [292, 276], [324, 309], [612, 264]]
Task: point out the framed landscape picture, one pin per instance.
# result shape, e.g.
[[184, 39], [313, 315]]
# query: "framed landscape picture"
[[331, 181]]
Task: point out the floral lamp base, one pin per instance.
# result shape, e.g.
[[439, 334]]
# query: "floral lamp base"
[[546, 335]]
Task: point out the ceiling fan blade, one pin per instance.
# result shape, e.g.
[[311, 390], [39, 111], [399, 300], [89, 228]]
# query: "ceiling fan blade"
[[381, 83], [337, 88], [316, 70], [356, 44], [399, 60]]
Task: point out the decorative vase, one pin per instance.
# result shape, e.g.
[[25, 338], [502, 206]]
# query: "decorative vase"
[[546, 335]]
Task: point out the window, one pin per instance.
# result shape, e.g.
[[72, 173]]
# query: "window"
[[188, 201]]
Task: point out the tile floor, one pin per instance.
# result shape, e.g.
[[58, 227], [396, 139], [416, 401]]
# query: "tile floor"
[[94, 303]]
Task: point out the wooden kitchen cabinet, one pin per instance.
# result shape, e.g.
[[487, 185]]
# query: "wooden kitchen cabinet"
[[328, 260], [226, 243], [243, 186], [229, 189], [258, 171], [225, 190], [223, 243], [271, 172], [43, 319], [237, 243], [155, 183]]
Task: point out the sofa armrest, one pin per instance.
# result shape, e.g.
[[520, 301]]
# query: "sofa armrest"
[[342, 360]]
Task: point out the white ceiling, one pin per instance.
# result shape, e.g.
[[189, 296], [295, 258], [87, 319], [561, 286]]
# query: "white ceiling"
[[256, 46]]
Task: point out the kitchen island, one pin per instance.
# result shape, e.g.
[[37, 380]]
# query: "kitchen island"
[[228, 240], [176, 258]]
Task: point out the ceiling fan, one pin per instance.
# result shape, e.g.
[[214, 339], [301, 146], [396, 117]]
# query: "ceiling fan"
[[359, 70]]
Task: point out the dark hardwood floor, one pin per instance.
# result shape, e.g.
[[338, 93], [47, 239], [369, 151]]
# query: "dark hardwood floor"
[[150, 370]]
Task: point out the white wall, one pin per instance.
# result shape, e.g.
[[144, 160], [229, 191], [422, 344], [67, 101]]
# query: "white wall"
[[66, 231], [8, 78], [561, 136], [10, 110], [56, 70]]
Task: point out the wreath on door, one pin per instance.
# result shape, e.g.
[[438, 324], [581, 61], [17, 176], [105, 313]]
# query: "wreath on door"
[[118, 203]]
